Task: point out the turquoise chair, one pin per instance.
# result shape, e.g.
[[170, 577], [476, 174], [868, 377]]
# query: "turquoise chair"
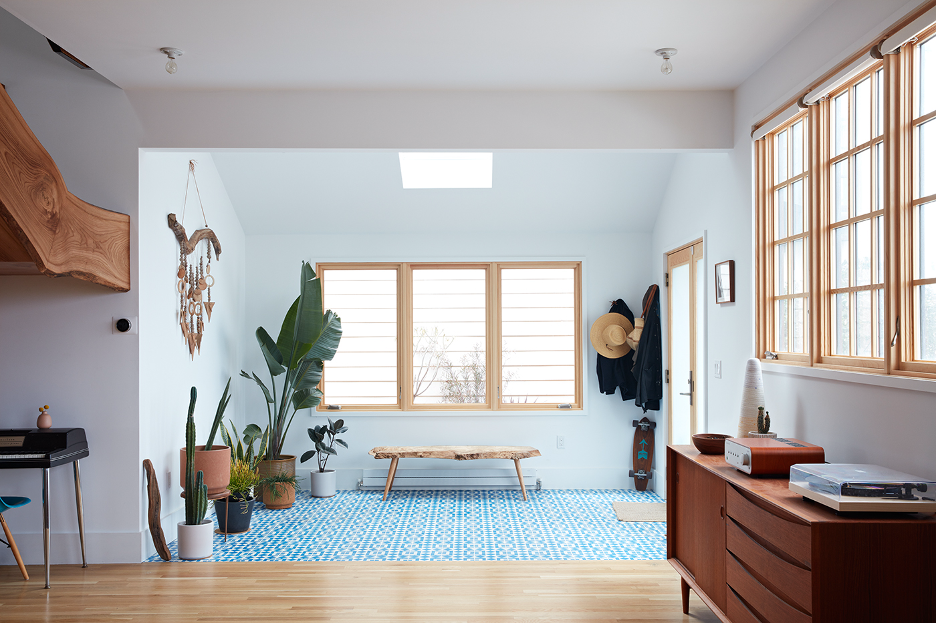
[[12, 502]]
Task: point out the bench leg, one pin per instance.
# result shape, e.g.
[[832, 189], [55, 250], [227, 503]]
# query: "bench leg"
[[390, 475], [520, 476], [16, 555]]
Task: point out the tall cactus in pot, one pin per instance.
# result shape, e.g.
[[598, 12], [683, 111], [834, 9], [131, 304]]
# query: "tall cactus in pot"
[[196, 492]]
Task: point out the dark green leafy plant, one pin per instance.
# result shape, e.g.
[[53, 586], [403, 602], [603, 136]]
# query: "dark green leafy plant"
[[325, 441], [277, 483], [219, 414], [307, 339], [242, 450], [196, 492]]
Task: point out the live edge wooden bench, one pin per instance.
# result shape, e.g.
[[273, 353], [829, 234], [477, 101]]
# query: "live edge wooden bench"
[[461, 453]]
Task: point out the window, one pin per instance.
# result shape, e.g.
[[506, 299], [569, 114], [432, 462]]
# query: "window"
[[846, 221], [455, 336]]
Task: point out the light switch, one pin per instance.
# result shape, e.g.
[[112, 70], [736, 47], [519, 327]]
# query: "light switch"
[[717, 369]]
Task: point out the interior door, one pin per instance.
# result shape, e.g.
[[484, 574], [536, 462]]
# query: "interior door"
[[685, 289]]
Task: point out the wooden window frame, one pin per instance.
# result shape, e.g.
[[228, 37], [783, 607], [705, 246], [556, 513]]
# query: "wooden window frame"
[[493, 333]]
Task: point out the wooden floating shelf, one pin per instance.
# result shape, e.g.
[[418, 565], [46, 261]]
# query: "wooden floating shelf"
[[45, 229]]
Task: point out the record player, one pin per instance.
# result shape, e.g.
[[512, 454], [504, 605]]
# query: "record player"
[[863, 487]]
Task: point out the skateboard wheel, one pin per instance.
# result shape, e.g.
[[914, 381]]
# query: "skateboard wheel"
[[630, 473]]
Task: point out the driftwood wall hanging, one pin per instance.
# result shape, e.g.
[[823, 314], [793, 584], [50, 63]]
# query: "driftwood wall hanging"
[[194, 281]]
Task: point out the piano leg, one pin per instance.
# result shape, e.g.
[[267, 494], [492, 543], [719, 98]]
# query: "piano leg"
[[78, 504], [45, 523]]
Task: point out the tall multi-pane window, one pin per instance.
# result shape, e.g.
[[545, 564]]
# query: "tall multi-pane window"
[[923, 205], [855, 217], [788, 231]]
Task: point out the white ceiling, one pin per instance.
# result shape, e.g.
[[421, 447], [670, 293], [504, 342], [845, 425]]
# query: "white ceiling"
[[307, 192], [421, 44]]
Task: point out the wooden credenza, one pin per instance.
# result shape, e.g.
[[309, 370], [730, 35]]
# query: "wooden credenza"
[[754, 551]]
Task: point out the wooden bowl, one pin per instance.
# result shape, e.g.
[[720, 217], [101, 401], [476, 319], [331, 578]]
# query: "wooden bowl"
[[710, 443]]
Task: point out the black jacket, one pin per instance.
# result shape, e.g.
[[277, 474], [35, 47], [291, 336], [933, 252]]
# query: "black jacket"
[[617, 372], [648, 365]]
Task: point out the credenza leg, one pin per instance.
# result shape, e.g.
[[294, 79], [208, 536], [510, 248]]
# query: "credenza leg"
[[390, 475], [684, 586], [80, 506], [520, 476], [45, 524]]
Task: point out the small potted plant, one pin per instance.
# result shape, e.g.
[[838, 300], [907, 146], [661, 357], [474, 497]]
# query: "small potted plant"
[[235, 511], [195, 533], [323, 483], [279, 490], [763, 425], [213, 460]]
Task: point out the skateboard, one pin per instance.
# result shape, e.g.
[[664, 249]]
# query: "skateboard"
[[643, 452]]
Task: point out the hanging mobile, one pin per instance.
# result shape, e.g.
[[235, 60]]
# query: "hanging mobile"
[[194, 286]]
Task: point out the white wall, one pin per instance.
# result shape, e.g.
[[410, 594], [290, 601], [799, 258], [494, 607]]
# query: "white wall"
[[167, 372], [598, 441], [56, 344], [855, 421]]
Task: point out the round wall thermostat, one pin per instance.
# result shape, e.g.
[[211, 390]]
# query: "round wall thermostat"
[[123, 325]]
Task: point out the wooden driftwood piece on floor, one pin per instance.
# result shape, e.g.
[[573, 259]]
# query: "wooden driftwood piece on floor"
[[43, 227], [155, 507]]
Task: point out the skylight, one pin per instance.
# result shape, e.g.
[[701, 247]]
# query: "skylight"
[[447, 170]]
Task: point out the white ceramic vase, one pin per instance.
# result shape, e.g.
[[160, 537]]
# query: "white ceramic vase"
[[323, 484], [752, 397], [195, 540]]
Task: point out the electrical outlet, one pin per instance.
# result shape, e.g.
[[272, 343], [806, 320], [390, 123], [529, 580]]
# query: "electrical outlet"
[[560, 442], [717, 369]]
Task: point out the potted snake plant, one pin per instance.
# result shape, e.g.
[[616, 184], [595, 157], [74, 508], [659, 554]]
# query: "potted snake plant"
[[307, 339], [195, 533], [235, 511]]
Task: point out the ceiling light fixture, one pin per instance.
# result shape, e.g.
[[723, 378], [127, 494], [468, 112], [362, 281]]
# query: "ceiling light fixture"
[[667, 53], [172, 53]]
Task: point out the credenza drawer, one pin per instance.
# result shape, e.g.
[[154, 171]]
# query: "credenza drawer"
[[771, 607], [737, 611], [788, 536], [790, 581]]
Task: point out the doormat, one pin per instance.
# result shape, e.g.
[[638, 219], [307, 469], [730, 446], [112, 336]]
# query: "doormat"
[[640, 512]]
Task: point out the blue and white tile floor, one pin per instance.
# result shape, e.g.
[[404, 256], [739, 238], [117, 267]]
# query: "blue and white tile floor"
[[447, 525]]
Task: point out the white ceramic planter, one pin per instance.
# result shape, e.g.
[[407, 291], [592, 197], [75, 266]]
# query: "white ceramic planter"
[[323, 484], [195, 540]]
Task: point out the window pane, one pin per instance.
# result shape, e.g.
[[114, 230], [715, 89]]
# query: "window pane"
[[926, 158], [797, 208], [862, 190], [926, 312], [879, 81], [840, 344], [840, 121], [879, 155], [926, 240], [798, 266], [879, 295], [863, 323], [840, 257], [782, 156], [798, 326], [781, 213], [879, 250], [863, 111], [783, 323], [840, 191], [927, 77], [863, 253], [449, 337], [538, 336], [783, 279], [364, 371], [797, 148]]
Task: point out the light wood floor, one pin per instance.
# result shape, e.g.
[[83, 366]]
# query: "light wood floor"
[[503, 591]]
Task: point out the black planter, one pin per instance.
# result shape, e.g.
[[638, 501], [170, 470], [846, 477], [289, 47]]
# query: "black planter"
[[234, 515]]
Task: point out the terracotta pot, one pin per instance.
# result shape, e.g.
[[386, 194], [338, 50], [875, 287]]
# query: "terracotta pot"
[[269, 467], [286, 496], [215, 464]]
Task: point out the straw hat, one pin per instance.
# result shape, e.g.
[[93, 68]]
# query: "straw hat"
[[609, 335]]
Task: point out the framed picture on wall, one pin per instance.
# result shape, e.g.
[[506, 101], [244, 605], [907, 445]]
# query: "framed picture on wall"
[[724, 282]]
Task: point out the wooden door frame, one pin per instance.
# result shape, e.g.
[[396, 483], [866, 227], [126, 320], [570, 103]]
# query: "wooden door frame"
[[684, 254]]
